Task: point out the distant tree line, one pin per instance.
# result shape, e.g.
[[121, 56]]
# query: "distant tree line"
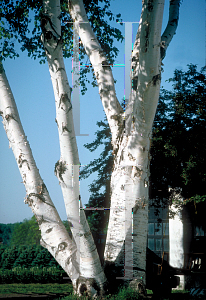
[[22, 233]]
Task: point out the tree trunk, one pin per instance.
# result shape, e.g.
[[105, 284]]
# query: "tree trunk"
[[127, 230], [130, 177], [54, 236], [67, 168], [176, 233]]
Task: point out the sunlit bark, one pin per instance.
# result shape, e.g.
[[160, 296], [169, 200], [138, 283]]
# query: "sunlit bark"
[[67, 168], [54, 236]]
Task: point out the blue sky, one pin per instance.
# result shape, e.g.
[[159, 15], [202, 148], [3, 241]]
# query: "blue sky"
[[32, 89]]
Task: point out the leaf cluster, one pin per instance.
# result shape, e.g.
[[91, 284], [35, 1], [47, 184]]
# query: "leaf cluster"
[[20, 30], [26, 233], [23, 233], [6, 231]]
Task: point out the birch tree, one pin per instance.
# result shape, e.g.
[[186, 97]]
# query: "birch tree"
[[125, 251]]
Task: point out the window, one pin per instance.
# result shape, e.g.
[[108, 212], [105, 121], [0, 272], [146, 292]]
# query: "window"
[[166, 257], [199, 231], [166, 244], [151, 244], [165, 228], [151, 229], [158, 228], [158, 245], [158, 232]]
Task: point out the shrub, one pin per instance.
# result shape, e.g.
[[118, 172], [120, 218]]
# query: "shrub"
[[26, 257], [32, 275]]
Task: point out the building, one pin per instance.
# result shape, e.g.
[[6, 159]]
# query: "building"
[[177, 233]]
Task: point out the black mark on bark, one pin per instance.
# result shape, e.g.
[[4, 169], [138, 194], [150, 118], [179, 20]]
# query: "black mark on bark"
[[62, 246], [60, 169], [156, 79], [150, 5]]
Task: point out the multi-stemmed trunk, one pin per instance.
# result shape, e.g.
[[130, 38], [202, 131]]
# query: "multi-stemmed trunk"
[[125, 250]]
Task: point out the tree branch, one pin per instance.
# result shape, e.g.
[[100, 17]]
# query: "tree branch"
[[102, 69], [171, 26], [146, 70]]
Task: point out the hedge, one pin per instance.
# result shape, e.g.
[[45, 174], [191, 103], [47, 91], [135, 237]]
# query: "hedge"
[[29, 264], [32, 275], [26, 257]]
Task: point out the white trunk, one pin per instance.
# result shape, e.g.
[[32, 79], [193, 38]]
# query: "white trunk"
[[176, 235], [131, 140], [67, 168], [130, 178], [100, 65], [54, 236]]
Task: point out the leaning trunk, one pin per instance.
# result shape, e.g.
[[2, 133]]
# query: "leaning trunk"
[[92, 278], [54, 236]]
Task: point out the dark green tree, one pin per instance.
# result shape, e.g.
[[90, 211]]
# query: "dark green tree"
[[26, 233], [179, 143], [25, 259], [8, 257], [6, 231], [100, 187], [43, 259]]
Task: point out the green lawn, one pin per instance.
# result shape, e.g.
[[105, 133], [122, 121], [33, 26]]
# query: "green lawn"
[[35, 288], [65, 290]]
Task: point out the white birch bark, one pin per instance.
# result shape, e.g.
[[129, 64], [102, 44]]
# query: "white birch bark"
[[131, 170], [54, 236], [132, 158], [171, 26], [67, 168], [102, 70], [130, 177], [176, 234]]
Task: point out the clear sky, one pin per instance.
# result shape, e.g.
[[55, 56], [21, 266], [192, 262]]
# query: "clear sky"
[[32, 89]]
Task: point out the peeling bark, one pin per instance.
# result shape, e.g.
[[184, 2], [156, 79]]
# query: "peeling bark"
[[67, 168], [53, 232], [99, 63]]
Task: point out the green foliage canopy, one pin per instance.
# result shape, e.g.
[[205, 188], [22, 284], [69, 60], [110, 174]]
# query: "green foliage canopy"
[[179, 142], [20, 30], [26, 233]]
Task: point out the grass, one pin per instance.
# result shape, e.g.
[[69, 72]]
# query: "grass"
[[60, 289], [56, 288], [35, 288]]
